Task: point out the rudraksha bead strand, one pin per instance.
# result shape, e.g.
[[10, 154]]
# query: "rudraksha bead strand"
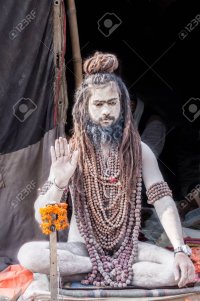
[[158, 191], [106, 227]]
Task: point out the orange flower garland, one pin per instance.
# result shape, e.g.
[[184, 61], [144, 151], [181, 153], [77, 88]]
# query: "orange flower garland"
[[54, 216]]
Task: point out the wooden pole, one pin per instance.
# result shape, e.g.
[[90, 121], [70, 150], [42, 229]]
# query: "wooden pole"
[[71, 12], [53, 266], [60, 84]]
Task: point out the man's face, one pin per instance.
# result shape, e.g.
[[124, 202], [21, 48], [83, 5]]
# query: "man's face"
[[104, 105]]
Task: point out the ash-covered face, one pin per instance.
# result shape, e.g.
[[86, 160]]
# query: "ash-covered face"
[[104, 105]]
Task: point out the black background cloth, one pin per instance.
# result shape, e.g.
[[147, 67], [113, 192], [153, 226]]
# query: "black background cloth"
[[26, 72]]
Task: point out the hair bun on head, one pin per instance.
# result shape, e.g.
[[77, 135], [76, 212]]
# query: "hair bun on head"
[[100, 62]]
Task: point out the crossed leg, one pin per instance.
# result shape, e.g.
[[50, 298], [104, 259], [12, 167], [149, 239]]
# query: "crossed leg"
[[72, 258], [154, 267]]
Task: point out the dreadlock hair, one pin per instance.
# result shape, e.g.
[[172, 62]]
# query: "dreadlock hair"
[[99, 71]]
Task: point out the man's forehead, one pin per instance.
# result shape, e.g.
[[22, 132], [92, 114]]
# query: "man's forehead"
[[105, 92]]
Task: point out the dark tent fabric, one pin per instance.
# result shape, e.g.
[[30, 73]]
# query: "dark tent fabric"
[[27, 73], [27, 117]]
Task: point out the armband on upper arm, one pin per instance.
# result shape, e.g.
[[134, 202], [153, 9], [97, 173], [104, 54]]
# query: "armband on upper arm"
[[158, 191]]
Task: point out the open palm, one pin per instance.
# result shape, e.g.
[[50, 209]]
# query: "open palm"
[[63, 161]]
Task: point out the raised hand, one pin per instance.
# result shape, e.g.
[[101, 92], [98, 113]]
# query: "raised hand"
[[63, 162]]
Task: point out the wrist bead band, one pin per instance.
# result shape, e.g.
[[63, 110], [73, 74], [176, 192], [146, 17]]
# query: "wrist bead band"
[[47, 185], [158, 191]]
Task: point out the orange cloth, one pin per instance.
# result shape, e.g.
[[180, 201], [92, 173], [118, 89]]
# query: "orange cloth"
[[196, 258], [14, 280]]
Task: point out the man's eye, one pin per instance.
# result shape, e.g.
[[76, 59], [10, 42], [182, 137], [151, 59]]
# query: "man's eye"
[[112, 103], [98, 104]]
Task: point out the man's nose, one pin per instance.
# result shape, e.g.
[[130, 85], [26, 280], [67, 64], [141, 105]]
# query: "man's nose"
[[105, 110]]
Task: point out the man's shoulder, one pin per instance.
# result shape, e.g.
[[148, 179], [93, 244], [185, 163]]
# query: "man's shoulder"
[[147, 153], [145, 148]]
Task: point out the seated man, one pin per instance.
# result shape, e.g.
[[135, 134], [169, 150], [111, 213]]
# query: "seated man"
[[104, 165]]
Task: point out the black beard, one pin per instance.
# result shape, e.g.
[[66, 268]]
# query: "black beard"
[[110, 135]]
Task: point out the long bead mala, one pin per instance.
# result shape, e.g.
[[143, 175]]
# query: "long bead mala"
[[109, 223]]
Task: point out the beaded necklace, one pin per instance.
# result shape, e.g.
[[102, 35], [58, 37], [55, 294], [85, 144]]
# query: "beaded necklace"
[[108, 220]]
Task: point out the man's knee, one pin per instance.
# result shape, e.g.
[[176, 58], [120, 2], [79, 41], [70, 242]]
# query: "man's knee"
[[29, 255], [151, 274], [77, 248], [167, 271], [24, 255]]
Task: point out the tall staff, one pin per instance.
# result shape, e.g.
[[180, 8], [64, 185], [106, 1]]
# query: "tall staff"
[[75, 42]]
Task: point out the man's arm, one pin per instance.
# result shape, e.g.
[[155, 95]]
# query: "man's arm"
[[167, 212], [165, 207], [52, 195], [62, 168]]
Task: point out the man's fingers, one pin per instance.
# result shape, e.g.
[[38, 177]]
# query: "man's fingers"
[[191, 274], [62, 151], [176, 272], [184, 275], [53, 154], [74, 159], [57, 148], [66, 147], [186, 269]]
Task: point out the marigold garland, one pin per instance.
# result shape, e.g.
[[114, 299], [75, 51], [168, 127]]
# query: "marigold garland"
[[54, 215]]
